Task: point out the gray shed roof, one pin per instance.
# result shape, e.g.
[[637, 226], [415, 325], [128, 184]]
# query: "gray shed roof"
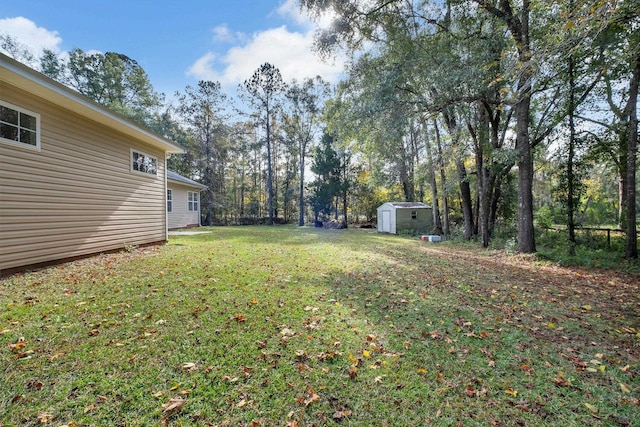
[[409, 205], [172, 176]]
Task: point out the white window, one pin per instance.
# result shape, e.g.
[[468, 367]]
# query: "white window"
[[143, 163], [19, 126], [169, 200], [414, 214], [193, 201]]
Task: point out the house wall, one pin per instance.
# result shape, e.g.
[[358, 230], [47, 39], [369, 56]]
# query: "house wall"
[[422, 224], [180, 216], [77, 195]]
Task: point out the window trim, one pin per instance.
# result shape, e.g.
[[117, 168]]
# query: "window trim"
[[414, 214], [15, 143], [147, 174], [193, 201], [169, 200]]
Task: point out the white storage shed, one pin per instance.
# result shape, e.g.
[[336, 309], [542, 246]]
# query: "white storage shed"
[[411, 217]]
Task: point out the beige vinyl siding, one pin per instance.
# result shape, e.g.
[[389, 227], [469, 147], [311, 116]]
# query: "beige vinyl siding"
[[77, 195], [181, 216]]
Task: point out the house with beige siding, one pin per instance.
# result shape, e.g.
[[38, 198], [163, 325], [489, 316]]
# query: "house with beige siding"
[[183, 201], [75, 178]]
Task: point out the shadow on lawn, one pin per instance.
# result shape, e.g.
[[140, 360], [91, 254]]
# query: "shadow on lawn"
[[601, 306], [512, 323]]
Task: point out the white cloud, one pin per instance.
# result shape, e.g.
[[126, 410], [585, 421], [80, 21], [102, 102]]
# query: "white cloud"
[[202, 69], [29, 34], [291, 10], [291, 52], [222, 33]]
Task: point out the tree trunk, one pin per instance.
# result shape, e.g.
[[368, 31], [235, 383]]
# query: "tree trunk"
[[622, 199], [269, 169], [301, 188], [346, 160], [465, 194], [463, 181], [437, 224], [405, 175], [571, 227], [631, 246], [486, 179], [497, 194], [526, 236], [242, 185], [443, 182], [275, 182], [345, 223], [519, 29]]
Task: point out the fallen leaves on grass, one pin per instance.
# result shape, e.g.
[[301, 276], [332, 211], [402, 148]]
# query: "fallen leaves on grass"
[[309, 398], [18, 345], [510, 391], [173, 405], [35, 384], [342, 413], [189, 366], [243, 402], [46, 418], [561, 381], [593, 409], [24, 355], [487, 322], [286, 332]]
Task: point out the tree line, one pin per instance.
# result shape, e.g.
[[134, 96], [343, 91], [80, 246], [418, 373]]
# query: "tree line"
[[501, 114], [490, 91], [251, 150]]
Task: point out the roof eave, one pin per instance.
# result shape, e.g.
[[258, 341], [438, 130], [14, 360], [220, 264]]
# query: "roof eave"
[[188, 184], [38, 84]]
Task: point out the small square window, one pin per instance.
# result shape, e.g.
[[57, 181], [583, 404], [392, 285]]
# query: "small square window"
[[27, 121], [414, 214], [8, 132], [143, 163], [193, 201], [9, 115], [18, 126]]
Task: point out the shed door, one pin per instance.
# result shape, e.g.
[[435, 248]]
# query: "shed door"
[[386, 221]]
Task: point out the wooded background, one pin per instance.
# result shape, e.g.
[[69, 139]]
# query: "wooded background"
[[504, 115]]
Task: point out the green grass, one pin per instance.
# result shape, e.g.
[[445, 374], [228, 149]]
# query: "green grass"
[[274, 326]]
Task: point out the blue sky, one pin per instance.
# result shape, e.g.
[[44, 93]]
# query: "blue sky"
[[176, 42]]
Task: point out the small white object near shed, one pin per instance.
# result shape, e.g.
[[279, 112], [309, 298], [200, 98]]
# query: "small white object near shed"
[[412, 217]]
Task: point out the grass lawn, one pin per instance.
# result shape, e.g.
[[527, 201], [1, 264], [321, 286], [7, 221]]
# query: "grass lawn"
[[281, 326]]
